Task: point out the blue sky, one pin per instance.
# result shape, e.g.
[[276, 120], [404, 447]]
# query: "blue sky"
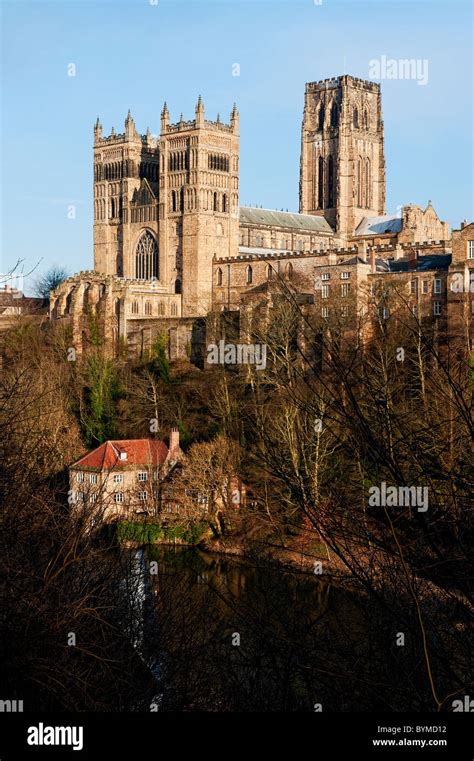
[[138, 54]]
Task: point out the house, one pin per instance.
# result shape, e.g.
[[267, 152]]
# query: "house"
[[124, 478]]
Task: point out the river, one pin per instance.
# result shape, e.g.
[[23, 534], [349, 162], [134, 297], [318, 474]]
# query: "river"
[[224, 634]]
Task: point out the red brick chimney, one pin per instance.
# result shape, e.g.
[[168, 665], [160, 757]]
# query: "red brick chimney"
[[174, 443], [372, 261], [412, 259]]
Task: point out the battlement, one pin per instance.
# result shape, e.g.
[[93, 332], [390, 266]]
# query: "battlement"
[[345, 79]]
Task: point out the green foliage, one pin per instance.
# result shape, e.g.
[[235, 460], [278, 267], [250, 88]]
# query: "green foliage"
[[149, 533], [102, 391], [159, 359], [95, 333]]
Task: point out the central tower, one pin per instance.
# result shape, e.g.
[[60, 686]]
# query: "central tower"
[[342, 166]]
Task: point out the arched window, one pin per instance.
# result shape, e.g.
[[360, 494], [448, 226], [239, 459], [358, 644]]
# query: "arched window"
[[215, 205], [173, 200], [177, 286], [289, 271], [330, 178], [224, 202], [320, 183], [181, 199], [269, 272], [360, 180], [146, 258], [112, 208], [119, 266], [249, 275], [334, 115], [321, 117], [367, 183], [219, 277], [366, 119], [355, 118]]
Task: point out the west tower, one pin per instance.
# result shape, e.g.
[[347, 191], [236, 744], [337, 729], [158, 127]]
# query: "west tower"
[[165, 206], [342, 165]]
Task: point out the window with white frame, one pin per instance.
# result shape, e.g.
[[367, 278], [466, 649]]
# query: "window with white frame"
[[413, 287], [118, 496], [437, 308], [425, 286], [118, 478], [345, 311], [325, 312], [325, 276], [142, 496], [325, 292], [142, 475], [385, 313], [470, 249], [93, 498], [80, 496], [345, 275], [437, 285], [93, 478], [345, 288], [80, 478]]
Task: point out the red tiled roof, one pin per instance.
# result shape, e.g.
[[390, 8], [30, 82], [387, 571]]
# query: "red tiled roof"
[[139, 452]]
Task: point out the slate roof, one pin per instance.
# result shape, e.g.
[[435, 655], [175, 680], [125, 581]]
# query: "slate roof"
[[423, 263], [139, 452], [379, 225], [249, 215]]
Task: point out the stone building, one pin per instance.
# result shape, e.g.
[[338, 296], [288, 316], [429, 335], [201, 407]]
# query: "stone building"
[[124, 478], [172, 244]]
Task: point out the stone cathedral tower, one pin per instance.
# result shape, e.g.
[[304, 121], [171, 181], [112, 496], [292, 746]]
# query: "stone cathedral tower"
[[342, 167], [165, 206]]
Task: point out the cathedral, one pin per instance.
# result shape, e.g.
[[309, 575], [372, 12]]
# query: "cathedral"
[[172, 244]]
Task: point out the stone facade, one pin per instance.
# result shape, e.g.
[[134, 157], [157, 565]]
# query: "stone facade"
[[172, 245]]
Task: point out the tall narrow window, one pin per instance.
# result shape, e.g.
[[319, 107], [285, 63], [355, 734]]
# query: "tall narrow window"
[[334, 115], [249, 275], [330, 178], [215, 206], [359, 182], [321, 117], [355, 118], [367, 183], [366, 119], [219, 276], [320, 183]]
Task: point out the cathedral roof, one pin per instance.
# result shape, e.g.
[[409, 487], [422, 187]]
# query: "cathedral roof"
[[379, 225], [249, 215]]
